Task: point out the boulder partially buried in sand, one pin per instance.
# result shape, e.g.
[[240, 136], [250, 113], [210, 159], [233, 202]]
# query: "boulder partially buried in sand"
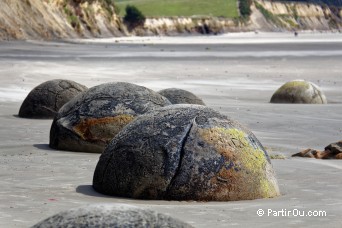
[[46, 99], [110, 215], [185, 152], [180, 96], [88, 122], [332, 151], [299, 91]]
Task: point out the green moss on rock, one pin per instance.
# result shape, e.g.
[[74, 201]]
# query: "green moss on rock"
[[299, 91]]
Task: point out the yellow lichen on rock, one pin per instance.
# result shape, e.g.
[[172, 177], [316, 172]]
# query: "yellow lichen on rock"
[[247, 173], [294, 84]]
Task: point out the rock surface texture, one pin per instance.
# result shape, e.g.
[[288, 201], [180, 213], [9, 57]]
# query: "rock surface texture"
[[46, 99], [180, 96], [332, 151], [185, 152], [107, 215], [299, 91], [88, 122]]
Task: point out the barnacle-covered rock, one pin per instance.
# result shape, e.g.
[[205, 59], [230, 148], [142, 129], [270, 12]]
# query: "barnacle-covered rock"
[[185, 152], [89, 121], [299, 91], [110, 215], [180, 96], [46, 99]]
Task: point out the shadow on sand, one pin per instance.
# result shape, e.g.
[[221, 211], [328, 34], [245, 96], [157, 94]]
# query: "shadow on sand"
[[90, 191], [43, 147]]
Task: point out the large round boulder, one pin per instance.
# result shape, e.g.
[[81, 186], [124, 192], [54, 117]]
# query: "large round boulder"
[[46, 99], [110, 215], [180, 96], [299, 91], [89, 121], [185, 152]]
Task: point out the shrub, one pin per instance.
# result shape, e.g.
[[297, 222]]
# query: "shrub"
[[134, 17], [245, 8]]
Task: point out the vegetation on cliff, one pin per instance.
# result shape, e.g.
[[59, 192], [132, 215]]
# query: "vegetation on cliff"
[[245, 8], [134, 17], [171, 8]]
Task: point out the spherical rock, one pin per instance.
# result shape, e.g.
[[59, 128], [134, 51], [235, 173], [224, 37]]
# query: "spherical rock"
[[46, 99], [299, 91], [180, 96], [88, 122], [185, 152], [110, 215]]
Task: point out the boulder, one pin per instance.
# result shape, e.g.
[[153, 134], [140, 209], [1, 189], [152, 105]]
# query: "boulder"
[[185, 152], [110, 215], [88, 122], [46, 99], [180, 96], [299, 91], [332, 151]]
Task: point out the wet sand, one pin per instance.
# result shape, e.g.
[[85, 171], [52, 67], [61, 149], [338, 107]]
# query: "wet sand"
[[234, 74]]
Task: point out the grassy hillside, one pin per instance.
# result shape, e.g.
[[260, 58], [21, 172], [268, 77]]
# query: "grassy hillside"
[[169, 8]]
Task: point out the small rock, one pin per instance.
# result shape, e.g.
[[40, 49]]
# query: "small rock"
[[332, 151]]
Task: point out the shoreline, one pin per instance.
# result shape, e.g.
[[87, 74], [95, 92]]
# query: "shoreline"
[[228, 38]]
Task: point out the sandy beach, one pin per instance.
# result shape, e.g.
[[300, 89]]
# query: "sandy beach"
[[235, 74]]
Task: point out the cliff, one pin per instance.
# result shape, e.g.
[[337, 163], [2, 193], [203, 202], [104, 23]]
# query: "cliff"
[[266, 16], [59, 19], [273, 15]]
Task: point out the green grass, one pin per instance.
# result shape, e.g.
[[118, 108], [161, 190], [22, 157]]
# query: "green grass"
[[169, 8]]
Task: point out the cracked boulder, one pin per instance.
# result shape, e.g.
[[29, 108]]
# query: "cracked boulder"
[[181, 96], [46, 99], [299, 91], [185, 152], [89, 121], [110, 215]]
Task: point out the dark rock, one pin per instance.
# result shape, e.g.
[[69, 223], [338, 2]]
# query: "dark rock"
[[46, 99], [107, 215], [88, 122], [185, 152], [180, 96], [335, 148], [299, 91]]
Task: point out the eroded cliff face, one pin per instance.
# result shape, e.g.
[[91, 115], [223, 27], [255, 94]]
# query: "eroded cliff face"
[[266, 16], [295, 16], [189, 25], [57, 19]]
